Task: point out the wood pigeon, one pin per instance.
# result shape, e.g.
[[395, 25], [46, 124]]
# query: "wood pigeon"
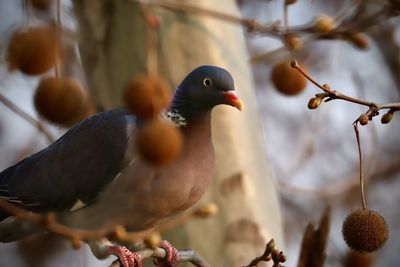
[[92, 176]]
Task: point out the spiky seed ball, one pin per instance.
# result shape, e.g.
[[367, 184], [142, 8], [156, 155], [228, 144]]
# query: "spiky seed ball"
[[287, 80], [59, 100], [323, 23], [365, 230], [42, 5], [147, 95], [33, 51], [159, 142]]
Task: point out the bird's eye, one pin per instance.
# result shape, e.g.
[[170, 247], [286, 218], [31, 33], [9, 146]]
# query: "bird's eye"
[[207, 82]]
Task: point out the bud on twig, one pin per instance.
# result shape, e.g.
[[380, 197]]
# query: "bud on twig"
[[363, 119], [386, 118], [314, 102], [323, 24]]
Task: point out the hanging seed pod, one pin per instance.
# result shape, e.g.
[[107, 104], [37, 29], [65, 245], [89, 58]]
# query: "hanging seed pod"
[[287, 80], [33, 51], [60, 100], [159, 142], [147, 95], [365, 230]]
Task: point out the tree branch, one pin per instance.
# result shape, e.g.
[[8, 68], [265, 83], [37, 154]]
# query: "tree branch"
[[330, 94], [184, 256]]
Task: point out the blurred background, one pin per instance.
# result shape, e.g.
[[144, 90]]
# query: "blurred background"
[[295, 161]]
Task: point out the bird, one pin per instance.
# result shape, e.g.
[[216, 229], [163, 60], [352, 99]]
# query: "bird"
[[92, 177]]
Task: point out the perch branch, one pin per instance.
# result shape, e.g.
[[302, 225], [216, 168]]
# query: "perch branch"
[[159, 253], [48, 221], [27, 117]]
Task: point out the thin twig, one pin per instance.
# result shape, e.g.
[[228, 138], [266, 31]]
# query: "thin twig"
[[151, 34], [58, 38], [360, 166], [27, 117], [285, 16], [250, 24], [333, 94]]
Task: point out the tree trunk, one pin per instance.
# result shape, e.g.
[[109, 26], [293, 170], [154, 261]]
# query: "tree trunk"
[[113, 48]]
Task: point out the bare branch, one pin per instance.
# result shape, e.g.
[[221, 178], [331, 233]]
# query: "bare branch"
[[330, 94]]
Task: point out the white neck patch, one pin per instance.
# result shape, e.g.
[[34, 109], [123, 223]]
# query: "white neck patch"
[[175, 118]]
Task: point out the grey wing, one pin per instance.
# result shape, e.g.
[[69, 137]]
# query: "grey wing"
[[75, 167]]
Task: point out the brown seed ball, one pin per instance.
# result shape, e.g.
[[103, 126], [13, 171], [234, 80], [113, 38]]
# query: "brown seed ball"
[[147, 95], [365, 230], [356, 259], [42, 5], [60, 100], [159, 142], [33, 51], [287, 80]]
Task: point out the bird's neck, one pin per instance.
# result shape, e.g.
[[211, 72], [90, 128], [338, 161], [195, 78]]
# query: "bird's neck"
[[196, 129]]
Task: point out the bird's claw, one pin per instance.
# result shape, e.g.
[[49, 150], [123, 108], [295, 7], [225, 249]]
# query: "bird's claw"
[[171, 258], [126, 257]]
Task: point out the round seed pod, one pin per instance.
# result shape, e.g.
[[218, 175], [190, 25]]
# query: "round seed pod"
[[365, 230], [42, 5], [60, 100], [33, 51], [287, 80], [147, 95], [159, 142]]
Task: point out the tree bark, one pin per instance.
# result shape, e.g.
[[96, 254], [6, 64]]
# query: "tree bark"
[[113, 48]]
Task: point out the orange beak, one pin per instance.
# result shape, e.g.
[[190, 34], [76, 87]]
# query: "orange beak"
[[234, 100]]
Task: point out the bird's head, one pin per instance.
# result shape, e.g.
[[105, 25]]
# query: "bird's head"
[[202, 89]]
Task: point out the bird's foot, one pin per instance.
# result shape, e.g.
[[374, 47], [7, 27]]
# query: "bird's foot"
[[171, 258], [126, 257]]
